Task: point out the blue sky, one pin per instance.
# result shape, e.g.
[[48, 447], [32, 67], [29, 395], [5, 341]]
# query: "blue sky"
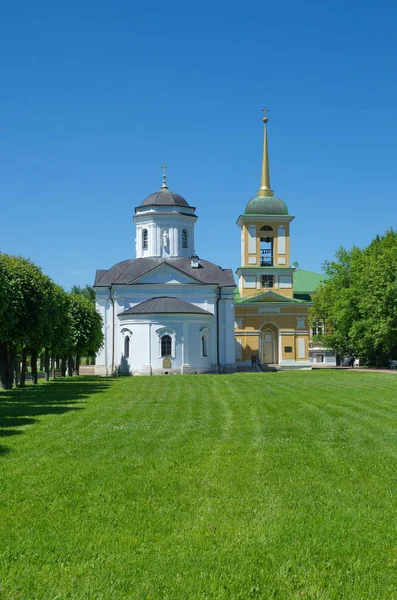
[[97, 95]]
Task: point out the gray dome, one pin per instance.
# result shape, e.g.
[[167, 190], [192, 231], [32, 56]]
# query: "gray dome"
[[164, 197]]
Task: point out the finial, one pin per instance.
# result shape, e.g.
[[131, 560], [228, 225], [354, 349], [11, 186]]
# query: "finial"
[[265, 189], [164, 184]]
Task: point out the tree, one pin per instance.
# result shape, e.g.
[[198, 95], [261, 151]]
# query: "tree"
[[87, 291], [375, 332], [24, 322], [8, 319], [85, 327], [358, 302], [58, 332]]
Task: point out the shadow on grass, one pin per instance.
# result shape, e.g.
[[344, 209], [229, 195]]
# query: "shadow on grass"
[[21, 407]]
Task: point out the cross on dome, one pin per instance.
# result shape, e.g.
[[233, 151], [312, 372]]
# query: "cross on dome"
[[164, 184]]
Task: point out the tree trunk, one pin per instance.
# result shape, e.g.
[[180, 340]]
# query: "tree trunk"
[[22, 378], [77, 364], [15, 365], [11, 366], [47, 364], [57, 362], [3, 366], [63, 365], [42, 362], [70, 365], [33, 363]]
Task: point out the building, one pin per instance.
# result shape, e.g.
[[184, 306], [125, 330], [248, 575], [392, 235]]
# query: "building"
[[167, 311], [305, 286], [273, 298]]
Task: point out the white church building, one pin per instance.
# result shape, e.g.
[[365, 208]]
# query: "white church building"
[[167, 311]]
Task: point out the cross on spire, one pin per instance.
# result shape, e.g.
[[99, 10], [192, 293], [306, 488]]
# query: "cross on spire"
[[265, 111], [164, 184]]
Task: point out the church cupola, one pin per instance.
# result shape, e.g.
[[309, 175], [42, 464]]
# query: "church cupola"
[[265, 228], [164, 225]]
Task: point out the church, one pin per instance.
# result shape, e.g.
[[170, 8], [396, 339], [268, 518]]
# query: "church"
[[170, 312], [167, 311]]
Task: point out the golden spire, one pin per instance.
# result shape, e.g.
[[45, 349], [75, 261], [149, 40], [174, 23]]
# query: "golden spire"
[[265, 189], [164, 184]]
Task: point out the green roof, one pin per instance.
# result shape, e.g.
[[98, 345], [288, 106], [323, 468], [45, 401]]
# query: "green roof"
[[306, 282], [269, 205]]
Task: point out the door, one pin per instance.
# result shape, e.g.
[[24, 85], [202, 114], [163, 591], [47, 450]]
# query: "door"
[[267, 347]]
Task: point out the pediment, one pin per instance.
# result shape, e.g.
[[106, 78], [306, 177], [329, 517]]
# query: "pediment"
[[269, 297], [165, 274]]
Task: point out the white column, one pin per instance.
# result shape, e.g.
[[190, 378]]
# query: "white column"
[[174, 241], [185, 342], [138, 242], [190, 241]]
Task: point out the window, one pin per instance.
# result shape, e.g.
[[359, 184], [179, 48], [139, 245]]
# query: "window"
[[250, 281], [126, 346], [287, 349], [166, 345], [184, 238], [204, 345], [266, 228], [266, 247], [144, 239], [285, 281], [267, 281], [318, 328], [166, 342], [319, 358]]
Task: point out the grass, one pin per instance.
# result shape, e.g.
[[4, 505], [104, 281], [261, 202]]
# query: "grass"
[[274, 486]]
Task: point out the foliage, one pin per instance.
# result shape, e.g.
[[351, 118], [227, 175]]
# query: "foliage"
[[85, 325], [243, 486], [87, 291], [358, 302], [26, 321], [25, 288], [36, 315]]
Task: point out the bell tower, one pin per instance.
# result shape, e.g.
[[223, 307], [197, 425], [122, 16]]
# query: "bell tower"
[[265, 239]]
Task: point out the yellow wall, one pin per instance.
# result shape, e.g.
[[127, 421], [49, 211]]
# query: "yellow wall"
[[249, 292], [252, 322], [273, 234], [277, 269], [288, 341]]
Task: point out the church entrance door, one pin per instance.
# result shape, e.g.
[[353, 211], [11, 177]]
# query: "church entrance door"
[[267, 345]]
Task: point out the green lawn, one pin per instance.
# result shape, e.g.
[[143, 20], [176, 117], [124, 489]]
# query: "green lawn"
[[267, 485]]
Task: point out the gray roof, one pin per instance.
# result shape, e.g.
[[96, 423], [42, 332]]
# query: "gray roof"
[[128, 271], [164, 197], [164, 304]]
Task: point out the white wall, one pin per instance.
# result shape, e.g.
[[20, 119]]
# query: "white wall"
[[159, 220], [144, 330], [186, 332]]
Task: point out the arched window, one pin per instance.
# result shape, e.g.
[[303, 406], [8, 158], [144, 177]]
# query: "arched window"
[[184, 238], [266, 228], [204, 345], [126, 346], [166, 345], [144, 239], [266, 248]]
